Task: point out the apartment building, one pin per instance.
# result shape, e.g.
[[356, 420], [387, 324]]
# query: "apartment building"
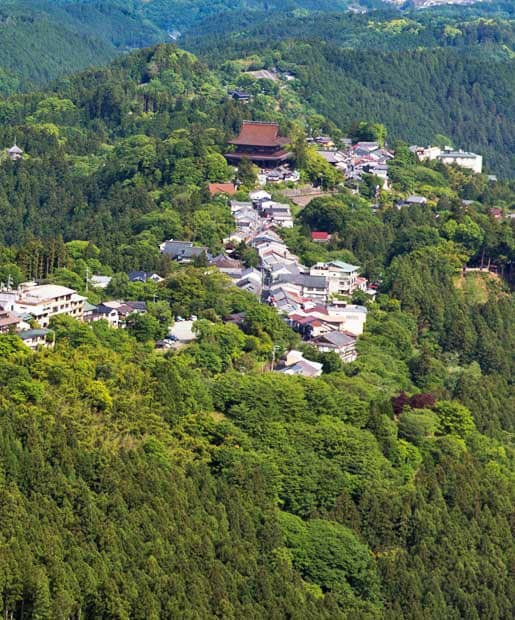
[[342, 278], [44, 301]]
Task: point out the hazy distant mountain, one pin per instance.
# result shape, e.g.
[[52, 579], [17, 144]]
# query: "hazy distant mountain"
[[41, 40], [44, 39], [430, 3]]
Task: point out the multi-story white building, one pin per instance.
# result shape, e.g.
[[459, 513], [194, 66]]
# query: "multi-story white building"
[[42, 302], [342, 278], [472, 161], [449, 156]]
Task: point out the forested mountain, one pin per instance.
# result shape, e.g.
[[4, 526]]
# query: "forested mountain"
[[195, 483], [124, 495], [182, 14], [116, 151], [421, 74], [447, 71], [124, 153], [479, 28], [44, 39], [41, 40]]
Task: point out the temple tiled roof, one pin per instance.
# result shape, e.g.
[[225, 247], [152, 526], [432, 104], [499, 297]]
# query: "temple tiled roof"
[[253, 133]]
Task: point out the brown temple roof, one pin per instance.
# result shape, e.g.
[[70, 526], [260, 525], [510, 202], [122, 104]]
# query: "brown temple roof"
[[253, 133]]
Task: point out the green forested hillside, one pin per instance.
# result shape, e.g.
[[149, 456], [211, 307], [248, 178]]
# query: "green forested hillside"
[[419, 95], [118, 152], [122, 156], [124, 495], [180, 15], [196, 483], [482, 28]]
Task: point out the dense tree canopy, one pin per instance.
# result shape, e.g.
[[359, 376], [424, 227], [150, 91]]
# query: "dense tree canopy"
[[195, 483]]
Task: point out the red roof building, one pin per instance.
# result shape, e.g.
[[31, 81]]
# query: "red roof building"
[[222, 188], [320, 237], [261, 144]]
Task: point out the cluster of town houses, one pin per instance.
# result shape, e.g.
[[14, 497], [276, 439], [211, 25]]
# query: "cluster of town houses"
[[263, 144], [306, 296], [311, 299], [28, 309], [354, 160]]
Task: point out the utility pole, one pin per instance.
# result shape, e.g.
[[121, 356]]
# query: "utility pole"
[[87, 279], [274, 349]]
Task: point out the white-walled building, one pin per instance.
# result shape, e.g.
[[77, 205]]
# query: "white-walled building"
[[352, 317], [277, 213], [94, 313], [15, 153], [472, 161], [449, 156], [342, 278], [42, 302], [430, 153], [337, 342], [296, 364], [37, 338]]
